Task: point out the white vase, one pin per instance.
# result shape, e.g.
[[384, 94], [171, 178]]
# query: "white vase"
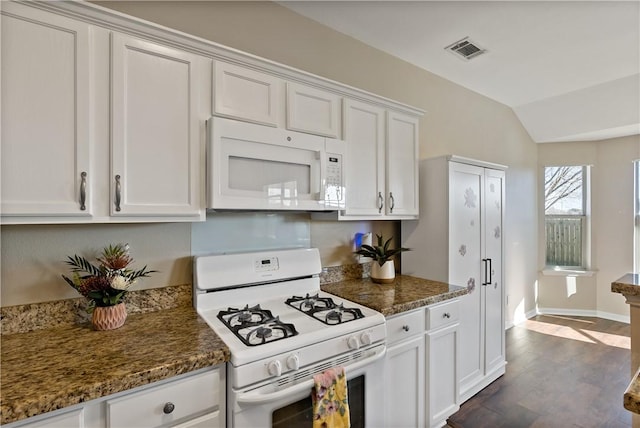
[[384, 274]]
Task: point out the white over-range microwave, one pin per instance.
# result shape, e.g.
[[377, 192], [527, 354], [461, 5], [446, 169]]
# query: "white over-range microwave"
[[256, 167]]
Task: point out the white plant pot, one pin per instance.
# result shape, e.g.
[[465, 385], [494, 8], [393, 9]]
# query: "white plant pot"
[[384, 274]]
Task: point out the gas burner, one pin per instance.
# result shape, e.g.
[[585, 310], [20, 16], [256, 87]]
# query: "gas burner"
[[324, 309], [256, 326]]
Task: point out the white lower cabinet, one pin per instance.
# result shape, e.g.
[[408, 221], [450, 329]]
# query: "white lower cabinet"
[[185, 401], [404, 371], [421, 367]]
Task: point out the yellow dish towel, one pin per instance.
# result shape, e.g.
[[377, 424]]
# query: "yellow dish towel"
[[329, 397]]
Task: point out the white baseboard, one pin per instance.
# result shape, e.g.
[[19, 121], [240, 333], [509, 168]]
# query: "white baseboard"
[[519, 320], [583, 313]]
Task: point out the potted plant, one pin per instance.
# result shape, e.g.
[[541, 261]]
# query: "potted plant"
[[382, 269], [105, 285]]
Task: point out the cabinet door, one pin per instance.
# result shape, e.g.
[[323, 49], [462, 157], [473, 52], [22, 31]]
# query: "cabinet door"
[[45, 114], [312, 110], [365, 138], [71, 419], [405, 384], [493, 198], [465, 253], [402, 165], [247, 95], [157, 129], [442, 392]]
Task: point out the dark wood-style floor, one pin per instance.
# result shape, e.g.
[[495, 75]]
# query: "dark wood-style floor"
[[562, 371]]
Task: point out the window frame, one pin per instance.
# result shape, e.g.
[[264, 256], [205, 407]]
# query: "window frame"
[[636, 216], [585, 226]]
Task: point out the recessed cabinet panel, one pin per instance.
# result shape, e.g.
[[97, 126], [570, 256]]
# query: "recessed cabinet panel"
[[364, 126], [45, 114], [157, 131], [312, 110], [248, 95], [402, 165]]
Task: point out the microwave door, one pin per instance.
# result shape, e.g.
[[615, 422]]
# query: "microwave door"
[[261, 175]]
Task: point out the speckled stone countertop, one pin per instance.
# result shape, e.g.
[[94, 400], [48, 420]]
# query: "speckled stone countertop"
[[404, 294], [632, 394], [49, 369], [629, 285]]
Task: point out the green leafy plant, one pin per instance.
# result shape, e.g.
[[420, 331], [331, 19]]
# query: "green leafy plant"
[[381, 252], [107, 283]]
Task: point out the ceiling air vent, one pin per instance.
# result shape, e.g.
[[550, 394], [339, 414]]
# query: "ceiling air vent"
[[465, 48]]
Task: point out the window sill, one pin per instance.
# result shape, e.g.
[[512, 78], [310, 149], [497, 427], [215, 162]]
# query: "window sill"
[[567, 272]]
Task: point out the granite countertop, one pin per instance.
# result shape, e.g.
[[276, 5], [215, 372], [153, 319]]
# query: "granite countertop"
[[629, 285], [404, 294], [632, 394], [49, 369]]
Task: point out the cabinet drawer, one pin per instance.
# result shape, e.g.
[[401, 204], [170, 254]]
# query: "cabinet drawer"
[[189, 396], [404, 326], [443, 314]]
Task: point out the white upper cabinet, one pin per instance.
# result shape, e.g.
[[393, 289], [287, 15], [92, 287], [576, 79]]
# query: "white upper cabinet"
[[402, 164], [364, 133], [156, 128], [46, 143], [313, 110], [245, 94], [381, 168]]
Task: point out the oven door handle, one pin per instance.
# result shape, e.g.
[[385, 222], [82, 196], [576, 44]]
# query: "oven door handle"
[[254, 397]]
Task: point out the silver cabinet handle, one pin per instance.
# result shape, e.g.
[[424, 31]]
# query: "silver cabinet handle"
[[405, 327], [168, 407], [380, 202], [118, 192], [83, 190], [393, 202], [446, 315]]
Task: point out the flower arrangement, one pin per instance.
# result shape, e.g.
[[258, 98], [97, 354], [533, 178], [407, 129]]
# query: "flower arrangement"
[[107, 283]]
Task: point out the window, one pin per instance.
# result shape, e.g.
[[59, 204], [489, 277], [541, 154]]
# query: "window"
[[565, 215]]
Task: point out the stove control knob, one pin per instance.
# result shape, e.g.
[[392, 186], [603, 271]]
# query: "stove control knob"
[[365, 338], [293, 362], [274, 368], [353, 342]]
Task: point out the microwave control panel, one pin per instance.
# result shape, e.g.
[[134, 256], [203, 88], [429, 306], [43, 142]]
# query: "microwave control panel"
[[334, 170]]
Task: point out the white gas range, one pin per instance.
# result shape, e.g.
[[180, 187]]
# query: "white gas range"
[[282, 329]]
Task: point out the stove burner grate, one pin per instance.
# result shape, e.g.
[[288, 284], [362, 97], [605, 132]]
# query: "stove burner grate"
[[256, 326], [324, 309]]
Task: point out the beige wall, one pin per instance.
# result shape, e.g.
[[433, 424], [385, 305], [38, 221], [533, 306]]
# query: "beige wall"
[[458, 121], [611, 226]]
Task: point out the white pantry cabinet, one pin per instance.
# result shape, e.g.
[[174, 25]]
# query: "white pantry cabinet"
[[192, 400], [459, 240], [98, 126], [382, 166]]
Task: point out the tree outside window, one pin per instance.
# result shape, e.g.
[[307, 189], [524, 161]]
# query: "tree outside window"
[[565, 216]]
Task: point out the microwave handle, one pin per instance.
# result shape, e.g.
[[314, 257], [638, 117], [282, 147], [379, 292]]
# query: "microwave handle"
[[323, 175], [254, 397]]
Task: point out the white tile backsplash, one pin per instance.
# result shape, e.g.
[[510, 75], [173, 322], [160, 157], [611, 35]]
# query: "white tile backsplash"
[[232, 232]]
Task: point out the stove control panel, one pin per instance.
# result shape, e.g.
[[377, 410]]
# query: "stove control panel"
[[266, 264]]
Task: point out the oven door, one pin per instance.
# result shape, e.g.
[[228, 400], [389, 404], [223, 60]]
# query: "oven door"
[[290, 406], [257, 167]]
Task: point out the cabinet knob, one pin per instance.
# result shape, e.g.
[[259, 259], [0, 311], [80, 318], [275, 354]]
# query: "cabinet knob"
[[168, 407], [446, 315], [405, 327]]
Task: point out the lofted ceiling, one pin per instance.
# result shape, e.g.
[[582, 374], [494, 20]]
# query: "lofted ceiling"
[[569, 69]]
